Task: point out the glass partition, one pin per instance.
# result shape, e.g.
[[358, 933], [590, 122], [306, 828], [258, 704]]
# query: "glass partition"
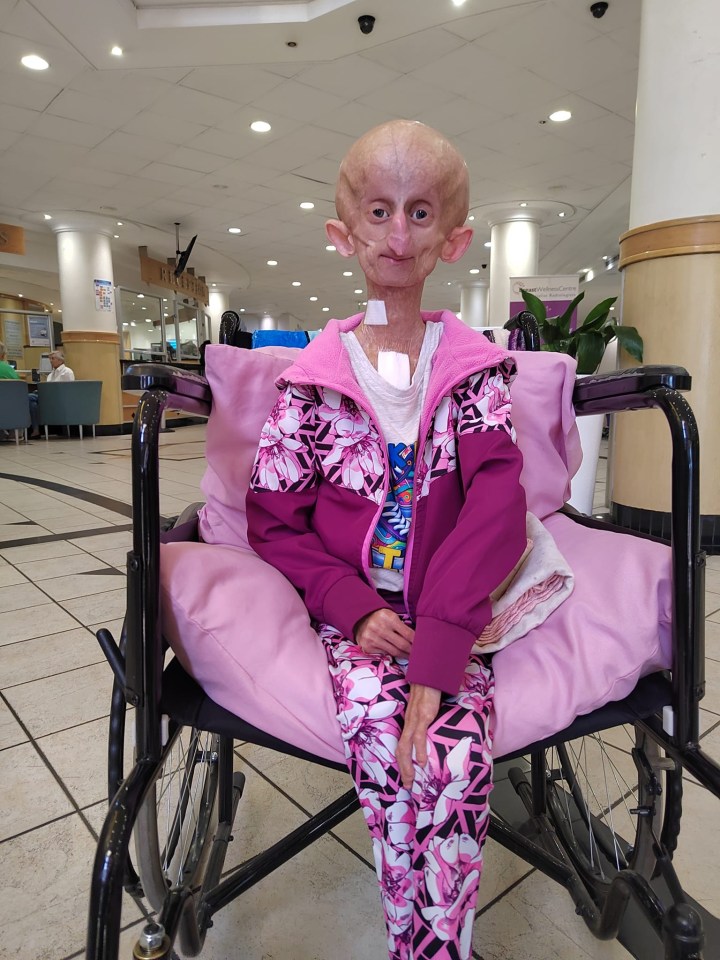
[[142, 325], [187, 332]]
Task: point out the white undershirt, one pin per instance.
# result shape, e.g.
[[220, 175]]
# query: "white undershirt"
[[397, 411]]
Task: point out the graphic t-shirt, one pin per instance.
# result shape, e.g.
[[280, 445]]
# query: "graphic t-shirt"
[[397, 410]]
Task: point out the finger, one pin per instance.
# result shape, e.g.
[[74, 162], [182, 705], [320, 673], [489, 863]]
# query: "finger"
[[420, 744], [405, 630], [401, 642], [404, 759]]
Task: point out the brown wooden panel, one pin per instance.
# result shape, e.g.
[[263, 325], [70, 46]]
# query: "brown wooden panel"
[[670, 238]]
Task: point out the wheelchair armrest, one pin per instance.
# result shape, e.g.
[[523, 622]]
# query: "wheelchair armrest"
[[176, 381], [626, 389]]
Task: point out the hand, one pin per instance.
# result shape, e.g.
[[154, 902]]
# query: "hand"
[[422, 709], [383, 632]]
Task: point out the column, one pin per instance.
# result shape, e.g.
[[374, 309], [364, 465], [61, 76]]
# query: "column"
[[91, 342], [474, 303], [219, 303], [670, 257], [514, 253]]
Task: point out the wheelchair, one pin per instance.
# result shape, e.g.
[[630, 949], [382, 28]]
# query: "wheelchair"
[[178, 798]]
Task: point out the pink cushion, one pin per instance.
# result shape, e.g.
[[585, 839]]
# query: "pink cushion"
[[242, 631], [244, 391]]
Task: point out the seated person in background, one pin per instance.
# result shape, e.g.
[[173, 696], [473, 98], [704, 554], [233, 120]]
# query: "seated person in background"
[[6, 371], [386, 488], [60, 373]]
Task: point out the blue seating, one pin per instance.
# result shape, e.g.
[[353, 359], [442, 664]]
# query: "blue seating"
[[73, 404], [14, 409]]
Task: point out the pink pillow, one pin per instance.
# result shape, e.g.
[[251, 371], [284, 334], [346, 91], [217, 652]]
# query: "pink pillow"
[[240, 628], [244, 391]]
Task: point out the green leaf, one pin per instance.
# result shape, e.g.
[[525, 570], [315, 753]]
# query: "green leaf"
[[590, 350], [535, 306], [598, 311], [551, 334], [563, 321], [630, 340]]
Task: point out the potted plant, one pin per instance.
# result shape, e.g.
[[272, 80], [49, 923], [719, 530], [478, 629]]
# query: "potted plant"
[[587, 344], [588, 341]]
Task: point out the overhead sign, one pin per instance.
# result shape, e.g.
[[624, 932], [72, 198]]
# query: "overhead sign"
[[162, 274], [12, 239], [39, 330]]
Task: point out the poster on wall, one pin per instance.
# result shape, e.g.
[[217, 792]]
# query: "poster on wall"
[[103, 296], [557, 293], [13, 337], [39, 330]]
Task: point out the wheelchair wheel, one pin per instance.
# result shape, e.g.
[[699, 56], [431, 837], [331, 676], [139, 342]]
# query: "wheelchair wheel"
[[608, 795], [177, 819]]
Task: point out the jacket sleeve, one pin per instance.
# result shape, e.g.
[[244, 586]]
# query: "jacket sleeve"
[[486, 542], [280, 505]]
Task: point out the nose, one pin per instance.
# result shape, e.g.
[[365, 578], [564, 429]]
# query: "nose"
[[399, 234]]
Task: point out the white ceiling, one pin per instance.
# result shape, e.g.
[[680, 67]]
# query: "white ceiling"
[[162, 134]]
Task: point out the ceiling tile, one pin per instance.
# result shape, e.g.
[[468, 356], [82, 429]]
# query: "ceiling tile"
[[196, 160], [182, 102], [299, 101], [299, 147], [25, 92], [16, 118], [140, 147], [351, 77], [404, 55], [128, 162], [74, 105], [409, 96], [137, 87], [33, 149], [239, 83], [167, 174], [149, 123], [8, 137], [354, 119], [69, 131]]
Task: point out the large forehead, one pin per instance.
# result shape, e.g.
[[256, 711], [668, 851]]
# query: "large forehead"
[[403, 154]]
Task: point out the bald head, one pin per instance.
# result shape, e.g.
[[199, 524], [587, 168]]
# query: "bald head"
[[412, 151]]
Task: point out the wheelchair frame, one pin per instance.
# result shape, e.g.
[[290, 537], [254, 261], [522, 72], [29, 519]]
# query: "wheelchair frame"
[[138, 667]]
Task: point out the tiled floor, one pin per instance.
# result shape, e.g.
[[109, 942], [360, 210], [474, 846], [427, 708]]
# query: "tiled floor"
[[64, 533]]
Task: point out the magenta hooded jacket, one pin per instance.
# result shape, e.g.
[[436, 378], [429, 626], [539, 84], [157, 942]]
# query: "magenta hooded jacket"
[[320, 480]]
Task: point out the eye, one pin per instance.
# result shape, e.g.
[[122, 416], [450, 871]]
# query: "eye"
[[380, 213], [420, 214]]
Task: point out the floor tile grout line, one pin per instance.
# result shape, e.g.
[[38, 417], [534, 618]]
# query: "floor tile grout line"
[[302, 809], [504, 893], [50, 676]]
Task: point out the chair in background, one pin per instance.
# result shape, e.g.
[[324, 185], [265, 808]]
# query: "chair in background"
[[14, 408], [74, 404]]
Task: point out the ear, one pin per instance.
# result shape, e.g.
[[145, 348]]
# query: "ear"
[[339, 235], [456, 243]]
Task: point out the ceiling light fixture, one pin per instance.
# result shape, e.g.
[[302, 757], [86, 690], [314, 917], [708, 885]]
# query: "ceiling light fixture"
[[116, 236], [214, 284], [475, 270], [296, 283], [313, 299], [331, 248], [234, 230], [47, 216], [524, 203], [562, 213], [326, 309], [560, 116], [260, 126], [242, 309], [357, 291], [458, 3], [347, 273], [307, 205], [141, 296], [116, 51], [488, 244], [33, 62], [272, 263], [606, 257], [472, 217]]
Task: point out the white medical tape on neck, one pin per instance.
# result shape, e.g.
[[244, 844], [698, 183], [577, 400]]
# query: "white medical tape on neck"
[[375, 314]]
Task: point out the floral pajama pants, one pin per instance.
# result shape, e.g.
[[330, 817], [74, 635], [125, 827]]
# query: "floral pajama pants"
[[427, 842]]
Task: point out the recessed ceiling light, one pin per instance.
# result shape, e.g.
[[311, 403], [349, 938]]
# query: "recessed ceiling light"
[[33, 62], [260, 126], [606, 257], [141, 296], [358, 291], [325, 309], [234, 230], [560, 116], [19, 294], [132, 323], [117, 51], [307, 205], [347, 273], [125, 324], [296, 283], [242, 309], [488, 243], [47, 216], [120, 223], [330, 247], [272, 263], [116, 236], [313, 299], [458, 3], [524, 203], [562, 213], [449, 283], [475, 270], [214, 284], [471, 217], [612, 308]]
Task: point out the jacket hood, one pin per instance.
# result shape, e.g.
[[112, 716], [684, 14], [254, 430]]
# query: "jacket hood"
[[325, 361]]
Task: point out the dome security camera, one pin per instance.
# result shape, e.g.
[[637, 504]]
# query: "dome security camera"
[[367, 22], [599, 9]]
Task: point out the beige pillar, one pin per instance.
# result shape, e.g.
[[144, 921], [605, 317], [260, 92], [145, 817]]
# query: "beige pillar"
[[91, 342], [670, 257]]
